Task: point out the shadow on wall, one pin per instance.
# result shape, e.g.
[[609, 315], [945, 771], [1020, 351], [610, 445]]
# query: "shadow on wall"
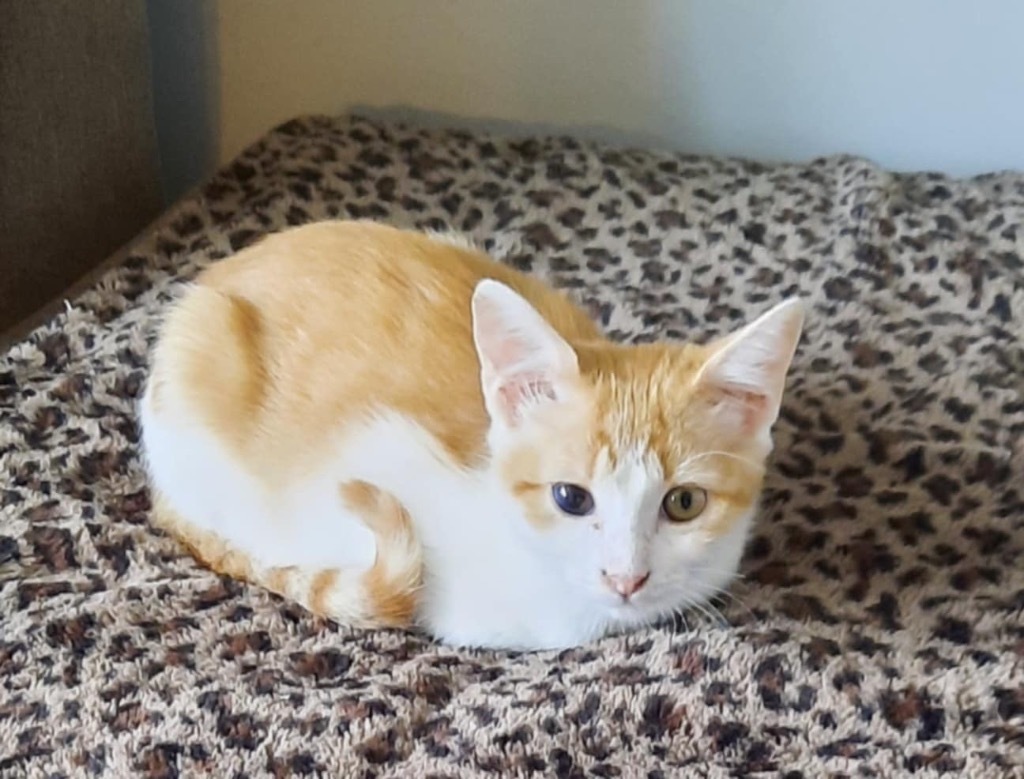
[[601, 133], [186, 85]]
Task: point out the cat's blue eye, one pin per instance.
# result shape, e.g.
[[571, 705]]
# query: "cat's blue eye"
[[572, 499]]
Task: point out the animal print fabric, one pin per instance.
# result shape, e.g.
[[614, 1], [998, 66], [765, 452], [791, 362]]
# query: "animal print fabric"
[[879, 627]]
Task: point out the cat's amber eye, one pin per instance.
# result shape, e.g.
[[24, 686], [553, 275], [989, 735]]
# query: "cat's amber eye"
[[683, 504], [572, 499]]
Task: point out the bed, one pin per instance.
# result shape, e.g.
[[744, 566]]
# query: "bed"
[[877, 629]]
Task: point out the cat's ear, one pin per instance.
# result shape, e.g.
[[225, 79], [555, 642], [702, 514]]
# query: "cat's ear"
[[523, 361], [746, 372]]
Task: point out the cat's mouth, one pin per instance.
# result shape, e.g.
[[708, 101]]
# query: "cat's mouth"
[[626, 607], [630, 614], [638, 609]]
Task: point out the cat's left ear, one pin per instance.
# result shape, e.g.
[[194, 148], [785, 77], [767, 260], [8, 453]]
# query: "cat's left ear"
[[746, 372], [523, 360]]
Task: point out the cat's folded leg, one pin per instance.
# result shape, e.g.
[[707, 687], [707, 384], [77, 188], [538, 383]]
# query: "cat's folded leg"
[[207, 547], [384, 595]]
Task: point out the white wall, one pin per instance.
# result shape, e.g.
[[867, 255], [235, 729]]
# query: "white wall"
[[933, 84], [936, 84]]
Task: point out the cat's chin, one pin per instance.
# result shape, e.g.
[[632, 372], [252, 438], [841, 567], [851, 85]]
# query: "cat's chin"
[[630, 615]]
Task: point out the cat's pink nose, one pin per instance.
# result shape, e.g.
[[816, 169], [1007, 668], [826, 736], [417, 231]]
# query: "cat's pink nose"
[[625, 586]]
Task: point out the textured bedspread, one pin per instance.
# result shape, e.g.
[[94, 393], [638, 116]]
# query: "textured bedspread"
[[879, 627]]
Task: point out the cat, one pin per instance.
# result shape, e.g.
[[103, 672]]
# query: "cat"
[[395, 430]]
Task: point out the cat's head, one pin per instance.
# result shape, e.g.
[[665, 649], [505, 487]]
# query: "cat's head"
[[637, 468]]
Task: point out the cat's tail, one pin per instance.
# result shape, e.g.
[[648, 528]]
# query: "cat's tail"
[[383, 595]]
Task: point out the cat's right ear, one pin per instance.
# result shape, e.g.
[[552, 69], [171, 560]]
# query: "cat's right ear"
[[523, 361], [746, 372]]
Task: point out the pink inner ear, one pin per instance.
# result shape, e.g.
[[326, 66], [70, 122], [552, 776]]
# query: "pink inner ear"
[[507, 351], [522, 390], [747, 411]]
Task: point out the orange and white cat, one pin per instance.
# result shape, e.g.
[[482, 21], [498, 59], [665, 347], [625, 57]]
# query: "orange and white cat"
[[395, 430]]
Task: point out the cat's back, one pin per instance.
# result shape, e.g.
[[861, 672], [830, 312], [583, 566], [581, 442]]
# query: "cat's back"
[[314, 327], [335, 276]]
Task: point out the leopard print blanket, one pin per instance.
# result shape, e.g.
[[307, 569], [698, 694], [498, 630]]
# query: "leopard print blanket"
[[878, 629]]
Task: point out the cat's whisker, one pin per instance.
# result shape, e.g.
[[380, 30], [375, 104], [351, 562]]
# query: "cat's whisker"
[[725, 620], [714, 614], [677, 615], [722, 593], [702, 610]]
